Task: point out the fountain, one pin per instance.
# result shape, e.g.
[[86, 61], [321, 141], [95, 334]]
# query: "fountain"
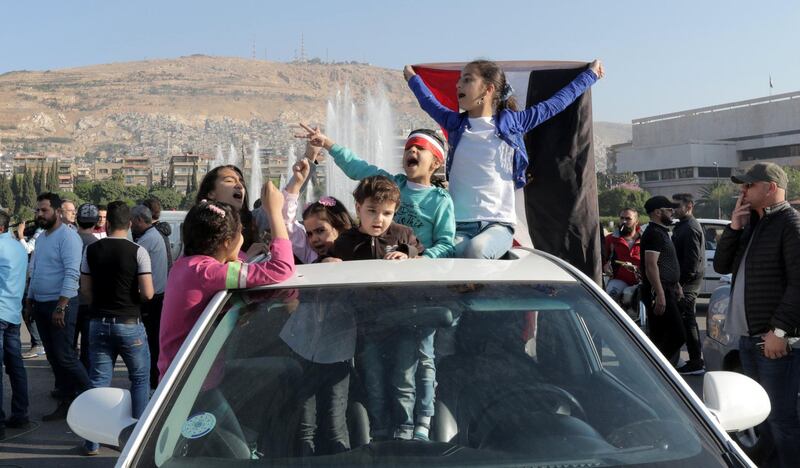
[[219, 159], [255, 175], [232, 156], [371, 137]]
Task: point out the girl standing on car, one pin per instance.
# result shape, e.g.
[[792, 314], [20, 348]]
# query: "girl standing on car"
[[425, 206], [212, 239], [487, 158]]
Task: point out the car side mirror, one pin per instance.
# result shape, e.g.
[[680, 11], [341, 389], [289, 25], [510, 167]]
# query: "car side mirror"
[[102, 415], [737, 401]]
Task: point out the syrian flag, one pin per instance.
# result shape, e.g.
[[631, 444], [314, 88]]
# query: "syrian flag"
[[557, 210]]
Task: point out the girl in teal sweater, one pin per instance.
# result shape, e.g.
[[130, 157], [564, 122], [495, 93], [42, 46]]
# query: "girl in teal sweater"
[[425, 208]]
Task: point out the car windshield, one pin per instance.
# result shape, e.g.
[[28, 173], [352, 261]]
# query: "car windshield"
[[525, 374]]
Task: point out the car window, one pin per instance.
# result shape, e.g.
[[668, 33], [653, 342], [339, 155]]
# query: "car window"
[[712, 234], [538, 374]]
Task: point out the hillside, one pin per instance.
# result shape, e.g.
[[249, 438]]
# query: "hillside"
[[158, 107]]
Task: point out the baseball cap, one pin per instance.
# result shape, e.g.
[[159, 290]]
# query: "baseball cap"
[[88, 213], [657, 202], [763, 172]]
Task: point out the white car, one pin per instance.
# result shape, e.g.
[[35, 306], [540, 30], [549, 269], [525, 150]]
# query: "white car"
[[536, 366], [712, 231]]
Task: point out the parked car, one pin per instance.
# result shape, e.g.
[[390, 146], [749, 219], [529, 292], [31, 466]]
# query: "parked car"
[[721, 353], [536, 366], [712, 230], [175, 221]]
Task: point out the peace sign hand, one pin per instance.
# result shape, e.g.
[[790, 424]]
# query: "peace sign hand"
[[315, 137]]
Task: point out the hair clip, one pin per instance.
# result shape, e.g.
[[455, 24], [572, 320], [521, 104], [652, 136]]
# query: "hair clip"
[[214, 208], [327, 201], [508, 91]]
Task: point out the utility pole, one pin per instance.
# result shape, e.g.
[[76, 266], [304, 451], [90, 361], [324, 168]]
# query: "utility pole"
[[719, 208], [302, 48]]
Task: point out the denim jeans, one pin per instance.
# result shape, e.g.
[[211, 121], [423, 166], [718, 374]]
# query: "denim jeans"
[[107, 340], [389, 366], [426, 372], [11, 356], [483, 240], [687, 306], [323, 397], [781, 379], [151, 318], [615, 287], [82, 329], [71, 376]]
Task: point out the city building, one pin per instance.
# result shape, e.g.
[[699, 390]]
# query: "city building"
[[184, 166], [688, 150], [34, 162], [105, 170], [136, 170]]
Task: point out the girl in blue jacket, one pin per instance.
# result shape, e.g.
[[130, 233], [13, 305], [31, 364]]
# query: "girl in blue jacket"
[[487, 158]]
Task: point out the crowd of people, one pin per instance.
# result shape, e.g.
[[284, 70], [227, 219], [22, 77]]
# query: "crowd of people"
[[760, 248], [94, 283]]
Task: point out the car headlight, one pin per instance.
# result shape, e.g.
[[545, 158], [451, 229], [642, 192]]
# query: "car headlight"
[[717, 313]]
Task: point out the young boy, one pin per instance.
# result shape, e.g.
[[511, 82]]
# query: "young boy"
[[388, 358]]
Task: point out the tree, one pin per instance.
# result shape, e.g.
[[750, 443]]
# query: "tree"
[[134, 194], [793, 189], [188, 200], [38, 179], [53, 183], [170, 198], [607, 181], [191, 185], [84, 190], [106, 191], [15, 189], [28, 196], [7, 200], [612, 201], [717, 200]]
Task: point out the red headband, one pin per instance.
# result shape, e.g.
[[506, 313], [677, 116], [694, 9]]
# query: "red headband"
[[426, 142]]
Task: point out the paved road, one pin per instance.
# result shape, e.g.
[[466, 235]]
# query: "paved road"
[[52, 444]]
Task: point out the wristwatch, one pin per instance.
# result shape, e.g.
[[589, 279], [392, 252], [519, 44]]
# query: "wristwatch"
[[779, 333], [62, 309]]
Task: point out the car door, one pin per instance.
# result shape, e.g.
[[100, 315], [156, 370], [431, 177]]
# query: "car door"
[[712, 231]]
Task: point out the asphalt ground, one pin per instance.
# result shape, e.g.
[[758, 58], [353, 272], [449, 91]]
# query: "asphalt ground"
[[52, 444]]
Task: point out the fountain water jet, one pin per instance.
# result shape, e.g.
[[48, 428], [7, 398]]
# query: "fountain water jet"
[[255, 175]]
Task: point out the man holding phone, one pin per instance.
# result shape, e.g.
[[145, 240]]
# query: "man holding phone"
[[761, 247]]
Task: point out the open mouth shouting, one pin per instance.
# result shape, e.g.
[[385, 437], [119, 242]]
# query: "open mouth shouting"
[[412, 161]]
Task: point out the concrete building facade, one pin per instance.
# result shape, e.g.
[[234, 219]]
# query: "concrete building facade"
[[686, 151]]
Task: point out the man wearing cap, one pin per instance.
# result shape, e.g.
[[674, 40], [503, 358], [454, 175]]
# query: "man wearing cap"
[[660, 280], [761, 248], [88, 215]]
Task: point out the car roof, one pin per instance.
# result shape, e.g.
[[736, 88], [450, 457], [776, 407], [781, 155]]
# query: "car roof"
[[529, 266]]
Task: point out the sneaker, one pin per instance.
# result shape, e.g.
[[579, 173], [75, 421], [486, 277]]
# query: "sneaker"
[[692, 368], [59, 413], [91, 449], [34, 352]]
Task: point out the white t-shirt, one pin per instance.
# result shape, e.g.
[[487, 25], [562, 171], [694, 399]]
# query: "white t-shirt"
[[482, 175]]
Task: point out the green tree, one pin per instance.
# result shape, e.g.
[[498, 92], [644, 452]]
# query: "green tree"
[[188, 200], [67, 195], [106, 191], [84, 190], [7, 200], [793, 189], [170, 198], [134, 194], [717, 200], [28, 197], [607, 181], [52, 178], [612, 201], [15, 189], [39, 179]]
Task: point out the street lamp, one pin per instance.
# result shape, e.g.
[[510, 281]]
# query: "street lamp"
[[719, 209]]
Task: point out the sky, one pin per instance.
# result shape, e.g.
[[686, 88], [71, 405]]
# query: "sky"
[[659, 57]]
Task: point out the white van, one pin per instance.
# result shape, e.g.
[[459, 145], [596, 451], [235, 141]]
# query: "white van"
[[175, 221]]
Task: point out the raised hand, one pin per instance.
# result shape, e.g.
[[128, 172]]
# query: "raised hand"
[[597, 67], [408, 72], [741, 214], [271, 199], [315, 137]]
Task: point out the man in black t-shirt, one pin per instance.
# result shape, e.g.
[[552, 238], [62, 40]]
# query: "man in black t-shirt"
[[116, 274], [660, 280]]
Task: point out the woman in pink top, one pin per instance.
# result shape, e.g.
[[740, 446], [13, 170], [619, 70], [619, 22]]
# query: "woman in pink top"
[[212, 238]]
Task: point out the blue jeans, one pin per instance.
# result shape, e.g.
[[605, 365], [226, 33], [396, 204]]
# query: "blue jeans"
[[483, 239], [781, 379], [11, 356], [107, 340], [389, 367], [426, 372], [70, 374]]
